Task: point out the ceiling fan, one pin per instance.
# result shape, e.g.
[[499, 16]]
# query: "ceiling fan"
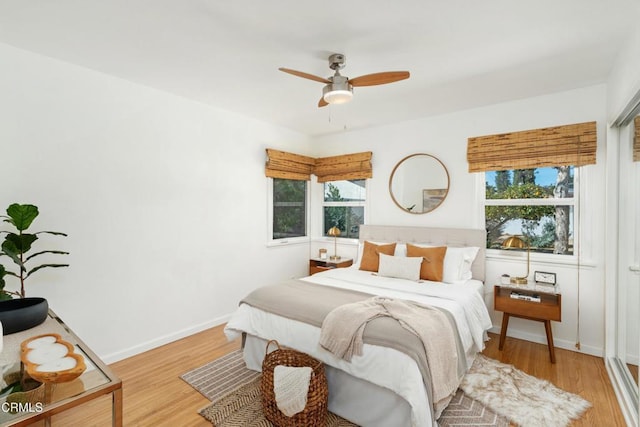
[[338, 88]]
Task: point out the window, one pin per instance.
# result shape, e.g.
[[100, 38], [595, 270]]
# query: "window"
[[538, 204], [289, 209], [343, 206]]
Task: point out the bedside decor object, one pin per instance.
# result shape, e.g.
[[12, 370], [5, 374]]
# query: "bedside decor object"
[[50, 359], [544, 278], [335, 232], [322, 253], [517, 242]]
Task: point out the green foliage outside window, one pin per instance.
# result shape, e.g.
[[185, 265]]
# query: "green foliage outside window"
[[546, 227], [347, 216], [289, 208]]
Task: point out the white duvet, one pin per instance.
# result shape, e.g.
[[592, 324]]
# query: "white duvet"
[[379, 365]]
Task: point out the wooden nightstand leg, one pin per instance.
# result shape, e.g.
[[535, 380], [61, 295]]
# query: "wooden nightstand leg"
[[552, 352], [503, 331]]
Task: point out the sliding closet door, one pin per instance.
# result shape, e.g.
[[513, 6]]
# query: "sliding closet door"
[[629, 268], [628, 298]]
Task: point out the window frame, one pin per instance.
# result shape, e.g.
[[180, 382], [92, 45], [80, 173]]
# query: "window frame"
[[573, 202], [364, 204], [288, 240]]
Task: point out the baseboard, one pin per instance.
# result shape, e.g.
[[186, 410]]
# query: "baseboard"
[[162, 340], [558, 343]]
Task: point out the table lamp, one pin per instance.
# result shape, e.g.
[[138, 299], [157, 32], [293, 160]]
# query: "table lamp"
[[516, 242], [335, 232]]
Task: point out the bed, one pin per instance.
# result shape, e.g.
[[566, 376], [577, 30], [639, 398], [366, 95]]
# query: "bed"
[[384, 386]]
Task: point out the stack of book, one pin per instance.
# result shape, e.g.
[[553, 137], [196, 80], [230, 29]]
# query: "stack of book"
[[526, 297]]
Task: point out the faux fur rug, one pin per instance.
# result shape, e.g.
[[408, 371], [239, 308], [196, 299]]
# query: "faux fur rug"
[[525, 400]]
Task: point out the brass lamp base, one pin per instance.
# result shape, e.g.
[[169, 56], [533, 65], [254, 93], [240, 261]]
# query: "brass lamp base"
[[335, 257], [519, 281]]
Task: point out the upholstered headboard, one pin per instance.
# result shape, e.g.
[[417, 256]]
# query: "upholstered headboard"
[[455, 237]]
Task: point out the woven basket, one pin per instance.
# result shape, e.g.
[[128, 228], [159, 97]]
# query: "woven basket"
[[315, 413]]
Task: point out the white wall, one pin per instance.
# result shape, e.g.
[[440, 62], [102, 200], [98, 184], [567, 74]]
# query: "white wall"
[[160, 197], [164, 201], [446, 138], [624, 80]]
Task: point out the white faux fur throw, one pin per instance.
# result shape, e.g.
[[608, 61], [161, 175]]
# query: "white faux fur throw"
[[525, 400]]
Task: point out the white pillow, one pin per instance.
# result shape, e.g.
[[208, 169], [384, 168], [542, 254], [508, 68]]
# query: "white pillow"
[[400, 267], [457, 262]]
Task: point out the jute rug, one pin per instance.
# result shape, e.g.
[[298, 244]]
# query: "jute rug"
[[235, 393]]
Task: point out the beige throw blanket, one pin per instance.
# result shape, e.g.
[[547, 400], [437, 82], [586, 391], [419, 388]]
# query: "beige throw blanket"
[[311, 303], [343, 329]]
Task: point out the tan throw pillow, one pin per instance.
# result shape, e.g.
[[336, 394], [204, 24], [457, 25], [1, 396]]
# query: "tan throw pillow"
[[370, 255], [433, 263]]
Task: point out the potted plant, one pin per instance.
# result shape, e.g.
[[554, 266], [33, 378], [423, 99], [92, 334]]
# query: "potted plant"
[[22, 313]]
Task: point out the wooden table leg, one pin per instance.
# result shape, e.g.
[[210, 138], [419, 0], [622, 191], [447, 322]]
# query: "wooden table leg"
[[116, 416], [503, 331], [552, 352]]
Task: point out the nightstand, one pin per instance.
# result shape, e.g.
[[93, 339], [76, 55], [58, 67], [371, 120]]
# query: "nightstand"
[[317, 265], [533, 302]]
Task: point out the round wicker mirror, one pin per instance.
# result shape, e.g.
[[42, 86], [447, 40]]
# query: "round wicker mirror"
[[419, 183]]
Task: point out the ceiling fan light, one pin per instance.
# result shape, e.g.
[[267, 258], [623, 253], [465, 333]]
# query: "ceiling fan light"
[[339, 91], [339, 96]]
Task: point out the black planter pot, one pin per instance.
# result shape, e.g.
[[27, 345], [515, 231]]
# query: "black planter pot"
[[23, 313]]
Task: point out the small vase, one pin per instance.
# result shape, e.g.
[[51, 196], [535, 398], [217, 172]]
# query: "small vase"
[[32, 396], [23, 313]]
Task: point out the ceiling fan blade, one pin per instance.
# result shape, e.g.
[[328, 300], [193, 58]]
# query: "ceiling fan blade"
[[379, 78], [322, 103], [305, 75]]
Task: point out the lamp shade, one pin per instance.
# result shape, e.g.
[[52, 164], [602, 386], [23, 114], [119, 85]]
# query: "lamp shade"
[[514, 242], [334, 231]]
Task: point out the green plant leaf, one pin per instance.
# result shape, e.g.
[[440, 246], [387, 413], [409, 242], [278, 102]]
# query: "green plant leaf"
[[9, 249], [22, 215], [55, 233], [22, 242], [33, 270], [45, 252]]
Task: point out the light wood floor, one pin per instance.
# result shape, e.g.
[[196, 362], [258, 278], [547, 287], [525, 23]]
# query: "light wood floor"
[[154, 394], [634, 371]]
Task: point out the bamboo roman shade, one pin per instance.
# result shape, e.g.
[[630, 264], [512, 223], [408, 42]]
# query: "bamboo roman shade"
[[636, 139], [281, 164], [554, 146], [345, 167]]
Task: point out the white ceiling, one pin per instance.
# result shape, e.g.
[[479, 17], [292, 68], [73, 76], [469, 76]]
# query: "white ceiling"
[[461, 53]]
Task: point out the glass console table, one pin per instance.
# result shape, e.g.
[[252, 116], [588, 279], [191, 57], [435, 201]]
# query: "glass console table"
[[97, 380]]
